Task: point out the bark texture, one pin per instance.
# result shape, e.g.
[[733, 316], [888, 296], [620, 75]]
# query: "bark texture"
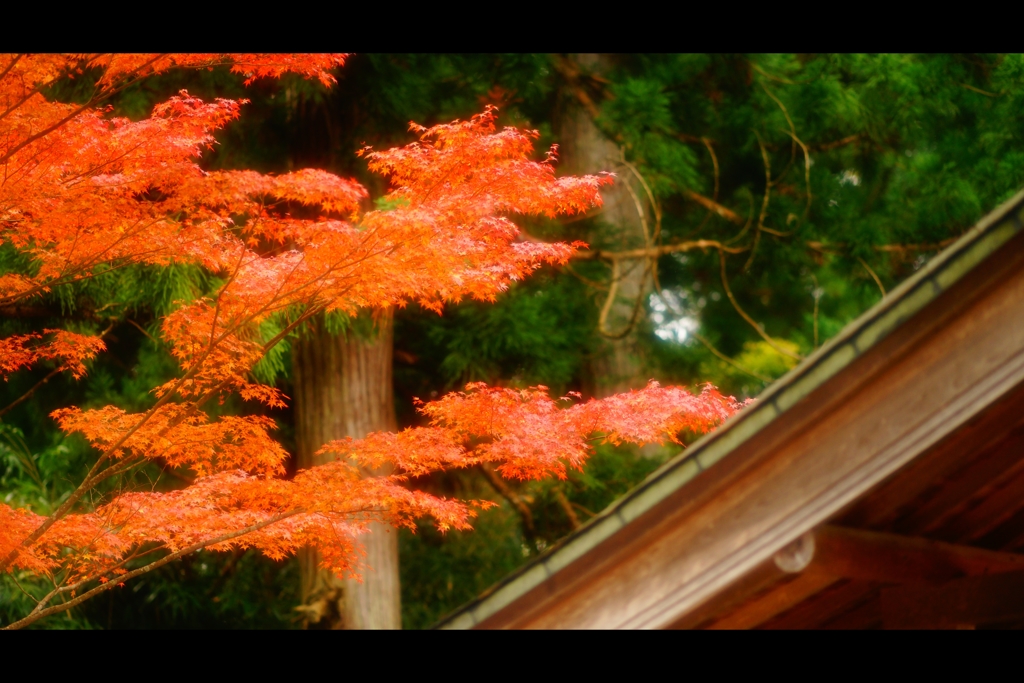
[[585, 149], [343, 387]]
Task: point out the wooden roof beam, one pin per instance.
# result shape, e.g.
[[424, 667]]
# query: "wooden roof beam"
[[830, 554], [891, 558]]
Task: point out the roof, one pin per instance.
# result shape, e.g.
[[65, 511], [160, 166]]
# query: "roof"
[[753, 437]]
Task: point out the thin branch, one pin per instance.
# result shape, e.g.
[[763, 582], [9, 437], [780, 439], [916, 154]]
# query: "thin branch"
[[581, 217], [585, 280], [587, 255], [574, 521], [764, 202], [728, 360], [602, 320], [872, 274], [836, 144], [792, 130], [750, 220], [773, 77], [53, 373], [95, 99], [640, 212], [655, 206], [712, 205], [807, 173], [508, 494], [898, 248], [148, 568], [743, 314], [10, 66], [142, 329], [978, 90], [714, 162], [817, 296]]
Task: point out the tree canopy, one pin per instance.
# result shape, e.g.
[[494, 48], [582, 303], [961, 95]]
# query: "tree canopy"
[[782, 195], [89, 197]]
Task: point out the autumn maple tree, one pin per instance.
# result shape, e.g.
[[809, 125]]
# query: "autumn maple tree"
[[84, 193]]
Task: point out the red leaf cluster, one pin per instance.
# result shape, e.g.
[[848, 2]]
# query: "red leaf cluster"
[[83, 192], [523, 432], [70, 349]]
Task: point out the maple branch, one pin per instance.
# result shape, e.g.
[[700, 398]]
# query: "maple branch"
[[53, 373], [508, 494], [38, 88], [574, 521], [95, 99], [62, 589], [223, 291], [10, 66], [76, 275], [199, 545], [92, 478], [21, 588], [71, 181]]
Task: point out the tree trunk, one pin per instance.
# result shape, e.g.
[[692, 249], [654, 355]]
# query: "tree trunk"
[[584, 149], [343, 388]]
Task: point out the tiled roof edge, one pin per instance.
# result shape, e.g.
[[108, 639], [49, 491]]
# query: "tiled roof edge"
[[948, 267]]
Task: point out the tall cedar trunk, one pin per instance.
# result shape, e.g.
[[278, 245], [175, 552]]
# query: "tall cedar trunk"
[[619, 365], [343, 388]]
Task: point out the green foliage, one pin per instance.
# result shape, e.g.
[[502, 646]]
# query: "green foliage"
[[906, 152], [536, 334], [441, 572]]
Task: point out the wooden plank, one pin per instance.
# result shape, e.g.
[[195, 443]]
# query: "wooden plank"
[[976, 481], [973, 601], [884, 507], [777, 601], [866, 615], [754, 584], [889, 503], [996, 507], [838, 598], [907, 394], [1009, 535]]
